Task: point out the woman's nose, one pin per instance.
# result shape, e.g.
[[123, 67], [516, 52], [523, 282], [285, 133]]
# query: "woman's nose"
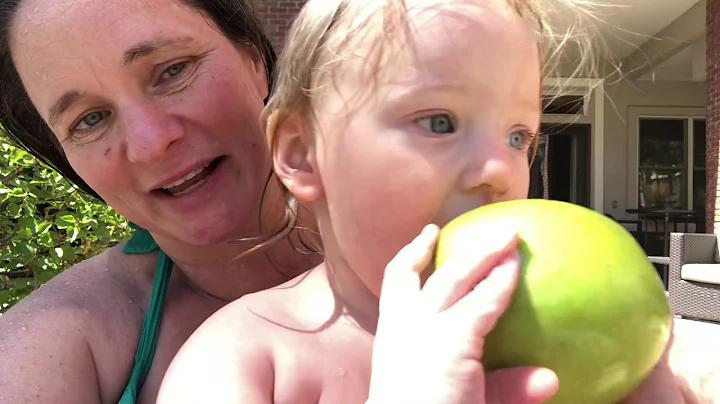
[[150, 133]]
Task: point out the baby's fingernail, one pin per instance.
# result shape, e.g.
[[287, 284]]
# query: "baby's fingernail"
[[509, 265], [494, 236], [544, 381], [513, 259], [426, 235]]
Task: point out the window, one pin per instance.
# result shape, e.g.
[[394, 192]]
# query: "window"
[[671, 163]]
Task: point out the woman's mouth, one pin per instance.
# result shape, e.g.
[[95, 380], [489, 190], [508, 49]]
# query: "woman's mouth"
[[192, 181]]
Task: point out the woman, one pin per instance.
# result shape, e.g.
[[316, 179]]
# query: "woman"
[[156, 112], [153, 106]]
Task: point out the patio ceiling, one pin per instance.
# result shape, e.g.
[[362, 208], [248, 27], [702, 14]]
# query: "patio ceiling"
[[654, 39]]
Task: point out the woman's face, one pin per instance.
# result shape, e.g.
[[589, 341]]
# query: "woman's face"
[[154, 107]]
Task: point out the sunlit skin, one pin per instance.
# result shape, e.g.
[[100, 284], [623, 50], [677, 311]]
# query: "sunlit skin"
[[445, 130], [138, 108], [139, 94], [156, 116], [439, 132]]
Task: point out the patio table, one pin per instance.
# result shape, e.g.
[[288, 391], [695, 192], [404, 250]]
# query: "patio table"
[[668, 216]]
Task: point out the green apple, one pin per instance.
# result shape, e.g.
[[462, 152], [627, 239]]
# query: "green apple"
[[588, 305]]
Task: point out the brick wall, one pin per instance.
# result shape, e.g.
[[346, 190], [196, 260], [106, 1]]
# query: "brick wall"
[[277, 16], [713, 114]]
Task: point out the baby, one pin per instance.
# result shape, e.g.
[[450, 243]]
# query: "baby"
[[389, 119]]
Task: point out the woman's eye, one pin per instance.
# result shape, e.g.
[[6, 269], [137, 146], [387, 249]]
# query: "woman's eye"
[[173, 70], [440, 123], [518, 140], [90, 120]]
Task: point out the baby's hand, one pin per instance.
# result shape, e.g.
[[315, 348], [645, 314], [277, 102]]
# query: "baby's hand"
[[430, 339]]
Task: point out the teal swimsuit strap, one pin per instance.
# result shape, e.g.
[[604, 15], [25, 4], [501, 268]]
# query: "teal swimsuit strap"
[[140, 243]]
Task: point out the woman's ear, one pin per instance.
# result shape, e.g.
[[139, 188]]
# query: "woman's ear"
[[294, 158]]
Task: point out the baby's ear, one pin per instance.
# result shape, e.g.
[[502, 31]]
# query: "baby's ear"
[[294, 159]]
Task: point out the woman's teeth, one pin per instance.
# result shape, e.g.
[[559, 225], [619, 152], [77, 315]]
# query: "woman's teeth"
[[188, 183], [185, 178], [190, 188]]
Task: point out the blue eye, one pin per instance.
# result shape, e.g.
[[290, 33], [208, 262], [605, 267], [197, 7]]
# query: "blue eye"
[[518, 140], [90, 120], [173, 70], [439, 123]]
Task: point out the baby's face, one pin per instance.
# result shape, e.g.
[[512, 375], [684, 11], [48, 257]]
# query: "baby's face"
[[445, 130]]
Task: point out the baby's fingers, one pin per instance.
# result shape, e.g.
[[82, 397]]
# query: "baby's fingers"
[[482, 307], [401, 282], [463, 271], [522, 385]]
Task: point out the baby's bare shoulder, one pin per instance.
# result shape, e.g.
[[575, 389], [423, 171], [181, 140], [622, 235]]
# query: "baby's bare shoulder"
[[228, 352], [263, 346]]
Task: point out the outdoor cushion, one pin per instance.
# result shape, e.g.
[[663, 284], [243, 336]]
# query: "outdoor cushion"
[[705, 273]]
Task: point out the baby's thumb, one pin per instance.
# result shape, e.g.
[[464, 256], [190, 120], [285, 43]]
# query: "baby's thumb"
[[521, 385], [401, 282]]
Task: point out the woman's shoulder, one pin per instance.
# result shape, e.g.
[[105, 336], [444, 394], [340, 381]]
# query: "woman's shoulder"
[[85, 321], [109, 275]]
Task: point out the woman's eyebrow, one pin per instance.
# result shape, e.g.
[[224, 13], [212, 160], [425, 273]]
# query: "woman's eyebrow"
[[141, 49], [146, 48], [63, 104]]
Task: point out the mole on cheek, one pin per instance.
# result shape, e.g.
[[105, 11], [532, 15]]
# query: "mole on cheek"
[[107, 151]]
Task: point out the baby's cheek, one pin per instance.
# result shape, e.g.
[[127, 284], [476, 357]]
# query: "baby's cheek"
[[386, 224]]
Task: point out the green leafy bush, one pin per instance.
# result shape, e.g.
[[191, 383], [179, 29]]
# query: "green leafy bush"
[[46, 225]]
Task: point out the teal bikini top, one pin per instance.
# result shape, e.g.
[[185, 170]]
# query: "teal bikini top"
[[140, 243]]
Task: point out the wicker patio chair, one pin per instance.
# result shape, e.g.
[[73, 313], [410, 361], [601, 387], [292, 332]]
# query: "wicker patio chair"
[[694, 276]]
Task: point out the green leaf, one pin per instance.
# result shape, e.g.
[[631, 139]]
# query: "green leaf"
[[61, 224], [68, 218], [43, 227], [21, 283], [68, 252], [51, 225], [73, 232], [6, 300], [13, 210], [42, 276], [19, 155], [29, 224], [27, 251], [57, 252]]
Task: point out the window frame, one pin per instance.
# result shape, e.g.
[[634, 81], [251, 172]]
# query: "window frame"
[[635, 114]]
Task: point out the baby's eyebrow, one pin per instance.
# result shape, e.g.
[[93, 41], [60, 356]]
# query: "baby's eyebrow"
[[426, 87]]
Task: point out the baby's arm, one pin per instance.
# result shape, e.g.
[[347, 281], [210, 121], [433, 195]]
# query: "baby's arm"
[[220, 363]]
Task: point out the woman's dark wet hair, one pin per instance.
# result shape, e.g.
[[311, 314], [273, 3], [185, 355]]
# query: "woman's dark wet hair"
[[26, 128]]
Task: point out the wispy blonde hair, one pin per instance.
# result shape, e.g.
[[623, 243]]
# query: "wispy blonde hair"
[[321, 39]]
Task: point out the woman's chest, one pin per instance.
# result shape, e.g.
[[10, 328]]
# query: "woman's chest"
[[181, 316]]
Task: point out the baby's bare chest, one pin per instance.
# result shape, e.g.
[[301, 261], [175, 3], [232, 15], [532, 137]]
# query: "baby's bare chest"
[[328, 368]]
